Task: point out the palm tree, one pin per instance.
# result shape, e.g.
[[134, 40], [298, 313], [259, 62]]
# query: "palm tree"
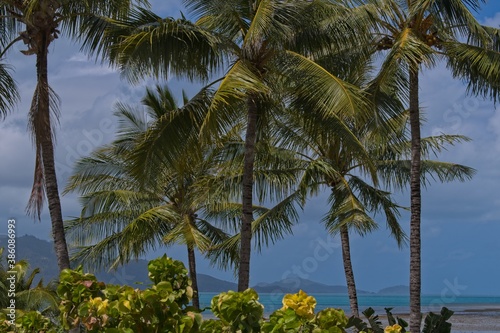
[[8, 91], [385, 137], [121, 218], [413, 35], [37, 24], [265, 48], [9, 95], [28, 298], [352, 200]]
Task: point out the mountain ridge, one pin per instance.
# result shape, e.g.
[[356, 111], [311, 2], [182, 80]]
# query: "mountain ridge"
[[40, 253]]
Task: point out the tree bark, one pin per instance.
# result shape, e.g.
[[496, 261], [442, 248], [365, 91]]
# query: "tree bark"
[[349, 273], [415, 205], [193, 276], [247, 203], [47, 152]]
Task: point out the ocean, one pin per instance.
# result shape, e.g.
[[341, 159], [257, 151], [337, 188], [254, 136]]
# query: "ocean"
[[399, 303]]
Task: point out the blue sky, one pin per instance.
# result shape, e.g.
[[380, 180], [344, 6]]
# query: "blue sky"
[[460, 221]]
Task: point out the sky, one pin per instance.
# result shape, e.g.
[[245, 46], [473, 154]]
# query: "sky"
[[460, 221]]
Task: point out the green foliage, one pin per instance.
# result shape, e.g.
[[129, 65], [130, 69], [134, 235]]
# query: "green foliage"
[[396, 321], [211, 325], [160, 308], [284, 321], [297, 315], [163, 307], [331, 320], [239, 311], [373, 324], [27, 322], [75, 288], [29, 296], [437, 323], [5, 325], [171, 275], [34, 322], [433, 323]]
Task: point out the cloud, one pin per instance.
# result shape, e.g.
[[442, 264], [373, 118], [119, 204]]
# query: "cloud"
[[171, 7], [78, 57], [431, 232], [459, 255], [493, 21], [467, 212], [15, 151], [494, 127]]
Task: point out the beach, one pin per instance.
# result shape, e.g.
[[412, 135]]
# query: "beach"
[[478, 314], [472, 320], [475, 322]]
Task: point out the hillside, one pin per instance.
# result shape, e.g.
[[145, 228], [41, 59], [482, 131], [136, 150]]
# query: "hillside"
[[293, 284], [40, 253], [396, 290]]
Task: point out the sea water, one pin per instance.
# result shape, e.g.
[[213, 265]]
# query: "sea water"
[[399, 303]]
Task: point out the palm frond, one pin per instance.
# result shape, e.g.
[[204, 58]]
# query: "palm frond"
[[76, 15], [9, 94], [378, 201], [477, 66], [457, 15], [144, 44], [230, 19], [345, 209], [396, 173], [168, 137], [239, 83], [273, 22]]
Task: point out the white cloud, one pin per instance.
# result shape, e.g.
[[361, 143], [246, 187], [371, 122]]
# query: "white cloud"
[[78, 57], [493, 21], [494, 127], [432, 231], [17, 160], [459, 255], [89, 90]]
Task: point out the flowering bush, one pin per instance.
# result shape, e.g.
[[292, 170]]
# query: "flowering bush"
[[393, 329], [160, 308], [164, 307], [301, 303], [297, 315], [238, 311]]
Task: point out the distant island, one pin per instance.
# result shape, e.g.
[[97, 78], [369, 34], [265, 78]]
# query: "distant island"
[[40, 253]]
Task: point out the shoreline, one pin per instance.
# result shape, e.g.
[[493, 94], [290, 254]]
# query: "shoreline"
[[468, 319]]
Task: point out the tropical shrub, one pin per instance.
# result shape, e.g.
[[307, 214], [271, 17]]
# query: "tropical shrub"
[[433, 323], [27, 322], [238, 311], [111, 308], [164, 307], [297, 315], [438, 323]]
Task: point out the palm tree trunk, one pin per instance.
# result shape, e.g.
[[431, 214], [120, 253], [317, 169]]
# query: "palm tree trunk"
[[247, 216], [415, 205], [193, 276], [349, 273], [47, 150]]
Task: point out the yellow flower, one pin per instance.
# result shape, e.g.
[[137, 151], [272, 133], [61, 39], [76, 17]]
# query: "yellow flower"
[[99, 305], [393, 329], [301, 303]]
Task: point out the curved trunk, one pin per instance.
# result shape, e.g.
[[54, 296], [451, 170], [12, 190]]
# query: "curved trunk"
[[415, 206], [193, 276], [247, 216], [44, 141], [349, 273]]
